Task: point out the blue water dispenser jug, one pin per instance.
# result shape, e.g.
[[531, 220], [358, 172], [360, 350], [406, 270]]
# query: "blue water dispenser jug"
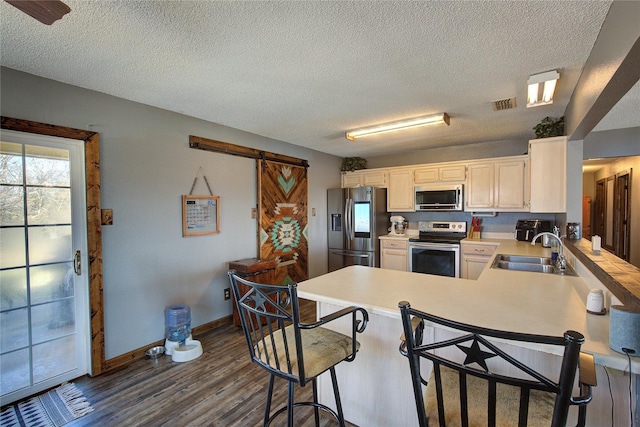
[[178, 323]]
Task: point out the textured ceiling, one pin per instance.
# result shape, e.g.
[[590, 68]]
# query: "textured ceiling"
[[304, 72]]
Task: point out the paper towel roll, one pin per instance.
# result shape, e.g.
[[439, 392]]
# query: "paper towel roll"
[[624, 329], [595, 242]]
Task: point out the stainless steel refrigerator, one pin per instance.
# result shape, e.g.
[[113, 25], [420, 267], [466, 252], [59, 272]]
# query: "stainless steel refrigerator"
[[357, 216]]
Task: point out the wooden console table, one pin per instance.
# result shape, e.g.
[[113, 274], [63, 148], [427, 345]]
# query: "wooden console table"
[[256, 270]]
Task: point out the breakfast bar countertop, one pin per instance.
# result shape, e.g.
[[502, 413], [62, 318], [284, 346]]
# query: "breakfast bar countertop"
[[527, 302]]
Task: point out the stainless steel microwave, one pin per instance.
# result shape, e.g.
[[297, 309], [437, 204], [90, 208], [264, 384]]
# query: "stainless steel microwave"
[[439, 197]]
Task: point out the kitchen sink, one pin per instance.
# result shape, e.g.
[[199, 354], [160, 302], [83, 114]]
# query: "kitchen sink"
[[532, 264], [524, 259]]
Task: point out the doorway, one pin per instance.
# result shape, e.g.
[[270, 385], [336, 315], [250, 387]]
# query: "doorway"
[[612, 213], [44, 300], [622, 211]]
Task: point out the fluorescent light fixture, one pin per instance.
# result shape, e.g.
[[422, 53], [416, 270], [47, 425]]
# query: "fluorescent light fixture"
[[541, 88], [401, 125]]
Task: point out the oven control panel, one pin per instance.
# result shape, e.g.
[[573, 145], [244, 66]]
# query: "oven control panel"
[[442, 227]]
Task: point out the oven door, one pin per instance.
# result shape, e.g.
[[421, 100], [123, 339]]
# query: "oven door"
[[441, 259]]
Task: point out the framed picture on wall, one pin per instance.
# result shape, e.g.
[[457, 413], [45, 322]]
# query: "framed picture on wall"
[[200, 215]]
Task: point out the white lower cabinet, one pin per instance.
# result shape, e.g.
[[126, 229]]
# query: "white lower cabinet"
[[475, 257], [394, 254]]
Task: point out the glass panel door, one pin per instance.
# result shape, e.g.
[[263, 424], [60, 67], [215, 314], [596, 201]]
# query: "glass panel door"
[[43, 290]]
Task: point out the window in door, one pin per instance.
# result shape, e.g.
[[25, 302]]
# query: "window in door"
[[43, 290]]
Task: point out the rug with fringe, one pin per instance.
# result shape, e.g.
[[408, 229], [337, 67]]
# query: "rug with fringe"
[[54, 408]]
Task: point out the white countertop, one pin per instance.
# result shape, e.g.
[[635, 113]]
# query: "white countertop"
[[536, 303]]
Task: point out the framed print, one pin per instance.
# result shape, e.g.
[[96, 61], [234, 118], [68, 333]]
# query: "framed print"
[[200, 215]]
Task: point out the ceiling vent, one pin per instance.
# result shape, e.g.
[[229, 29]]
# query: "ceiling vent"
[[504, 104]]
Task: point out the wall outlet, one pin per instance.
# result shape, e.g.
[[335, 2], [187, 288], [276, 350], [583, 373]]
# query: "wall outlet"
[[227, 293], [106, 216]]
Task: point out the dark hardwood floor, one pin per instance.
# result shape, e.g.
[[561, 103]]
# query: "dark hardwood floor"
[[220, 388]]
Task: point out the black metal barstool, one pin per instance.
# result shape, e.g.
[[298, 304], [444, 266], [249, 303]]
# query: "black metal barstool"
[[287, 348], [460, 391]]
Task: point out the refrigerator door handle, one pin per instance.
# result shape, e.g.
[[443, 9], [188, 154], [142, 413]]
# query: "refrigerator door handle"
[[348, 218], [351, 254], [352, 226]]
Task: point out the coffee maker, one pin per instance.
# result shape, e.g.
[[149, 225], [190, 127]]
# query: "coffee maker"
[[527, 228]]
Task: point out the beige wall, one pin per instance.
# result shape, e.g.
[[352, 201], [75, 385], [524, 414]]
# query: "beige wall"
[[589, 184]]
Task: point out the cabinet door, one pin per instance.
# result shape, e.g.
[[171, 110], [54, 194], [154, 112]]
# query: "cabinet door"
[[400, 195], [475, 258], [548, 165], [481, 183], [472, 266], [375, 179], [394, 259], [510, 185], [453, 173], [425, 175], [352, 179]]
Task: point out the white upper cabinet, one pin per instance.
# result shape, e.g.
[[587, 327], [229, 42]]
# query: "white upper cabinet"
[[352, 179], [498, 185], [491, 185], [365, 178], [480, 186], [511, 185], [400, 196], [449, 173], [548, 160]]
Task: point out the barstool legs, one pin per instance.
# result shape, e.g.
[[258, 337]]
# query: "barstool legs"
[[336, 392], [316, 411], [267, 408]]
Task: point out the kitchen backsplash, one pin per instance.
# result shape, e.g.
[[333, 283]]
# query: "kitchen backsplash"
[[503, 222]]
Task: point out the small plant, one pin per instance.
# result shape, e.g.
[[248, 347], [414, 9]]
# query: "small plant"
[[350, 164], [549, 127]]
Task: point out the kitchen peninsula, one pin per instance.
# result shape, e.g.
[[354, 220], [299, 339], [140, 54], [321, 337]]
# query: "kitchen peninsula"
[[376, 388]]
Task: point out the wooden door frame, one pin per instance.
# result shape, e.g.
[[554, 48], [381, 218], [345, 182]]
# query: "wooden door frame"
[[609, 214], [94, 224], [599, 210], [622, 213]]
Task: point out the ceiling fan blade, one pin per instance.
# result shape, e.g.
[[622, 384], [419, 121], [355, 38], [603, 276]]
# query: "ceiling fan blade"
[[45, 11]]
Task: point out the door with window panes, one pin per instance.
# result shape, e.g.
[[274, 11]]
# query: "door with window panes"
[[44, 314]]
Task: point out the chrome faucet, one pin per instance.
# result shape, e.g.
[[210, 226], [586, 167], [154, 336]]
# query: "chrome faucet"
[[561, 262]]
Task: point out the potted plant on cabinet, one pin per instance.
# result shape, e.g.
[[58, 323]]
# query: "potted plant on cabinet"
[[549, 127], [350, 164]]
